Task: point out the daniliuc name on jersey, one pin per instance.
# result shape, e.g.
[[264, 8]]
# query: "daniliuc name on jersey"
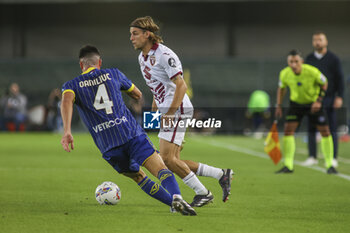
[[100, 79]]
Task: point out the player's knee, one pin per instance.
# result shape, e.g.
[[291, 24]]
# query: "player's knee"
[[324, 130], [289, 131], [169, 160]]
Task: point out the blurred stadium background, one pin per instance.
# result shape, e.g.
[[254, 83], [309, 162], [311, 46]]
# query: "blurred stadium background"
[[231, 48]]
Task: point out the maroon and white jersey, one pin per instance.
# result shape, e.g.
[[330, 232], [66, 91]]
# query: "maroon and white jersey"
[[158, 68]]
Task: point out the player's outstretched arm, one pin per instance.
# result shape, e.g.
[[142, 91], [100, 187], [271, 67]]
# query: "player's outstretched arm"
[[66, 113], [135, 93]]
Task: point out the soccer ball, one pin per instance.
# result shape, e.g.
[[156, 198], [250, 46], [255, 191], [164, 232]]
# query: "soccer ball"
[[108, 193]]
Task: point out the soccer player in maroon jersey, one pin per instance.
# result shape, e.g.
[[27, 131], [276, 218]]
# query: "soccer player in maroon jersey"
[[162, 71]]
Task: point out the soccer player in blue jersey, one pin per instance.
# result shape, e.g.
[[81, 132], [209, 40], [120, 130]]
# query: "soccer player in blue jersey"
[[122, 142]]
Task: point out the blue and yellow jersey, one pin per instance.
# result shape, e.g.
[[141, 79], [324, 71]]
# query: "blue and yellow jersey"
[[101, 107]]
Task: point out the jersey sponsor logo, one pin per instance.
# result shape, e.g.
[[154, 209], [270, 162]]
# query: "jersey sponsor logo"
[[172, 62], [152, 60], [108, 124]]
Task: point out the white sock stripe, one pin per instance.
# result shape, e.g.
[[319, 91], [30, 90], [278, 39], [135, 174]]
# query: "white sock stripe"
[[200, 169]]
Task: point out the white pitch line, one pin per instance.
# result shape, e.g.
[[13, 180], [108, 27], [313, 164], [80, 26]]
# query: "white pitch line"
[[264, 156], [340, 159]]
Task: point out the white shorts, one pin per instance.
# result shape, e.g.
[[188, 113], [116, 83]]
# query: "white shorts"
[[176, 132]]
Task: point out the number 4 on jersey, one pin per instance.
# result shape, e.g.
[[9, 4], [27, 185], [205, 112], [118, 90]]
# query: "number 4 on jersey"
[[102, 100]]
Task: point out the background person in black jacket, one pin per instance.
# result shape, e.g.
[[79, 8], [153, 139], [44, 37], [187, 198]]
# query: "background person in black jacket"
[[329, 64]]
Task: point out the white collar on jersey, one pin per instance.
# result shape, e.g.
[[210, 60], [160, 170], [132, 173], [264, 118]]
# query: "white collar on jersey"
[[154, 48]]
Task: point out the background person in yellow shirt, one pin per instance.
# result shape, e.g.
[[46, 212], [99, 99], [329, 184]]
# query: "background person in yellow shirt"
[[307, 86]]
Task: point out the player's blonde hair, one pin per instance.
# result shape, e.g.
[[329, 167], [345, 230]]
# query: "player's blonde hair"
[[147, 23]]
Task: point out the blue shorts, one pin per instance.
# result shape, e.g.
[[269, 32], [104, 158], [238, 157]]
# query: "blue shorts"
[[130, 156]]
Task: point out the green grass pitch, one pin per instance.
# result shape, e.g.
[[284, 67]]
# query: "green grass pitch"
[[45, 189]]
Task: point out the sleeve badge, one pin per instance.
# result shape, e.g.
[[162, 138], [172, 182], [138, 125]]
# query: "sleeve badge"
[[171, 62]]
